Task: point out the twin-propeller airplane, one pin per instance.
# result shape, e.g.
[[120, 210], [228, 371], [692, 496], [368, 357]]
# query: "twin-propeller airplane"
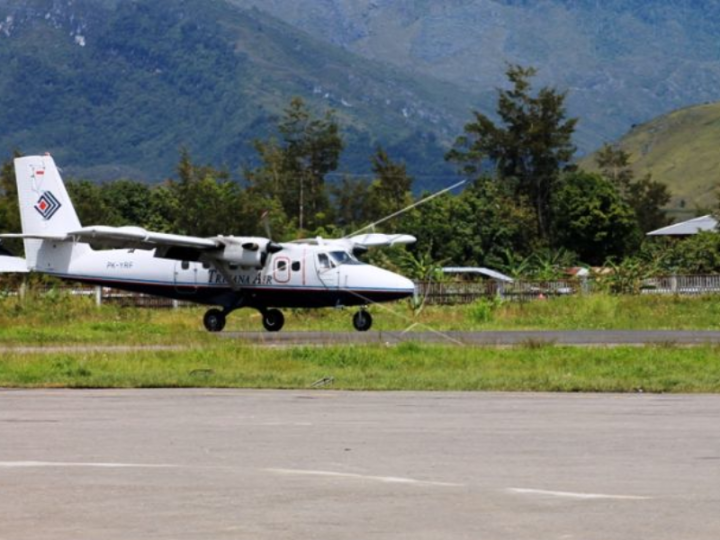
[[227, 271]]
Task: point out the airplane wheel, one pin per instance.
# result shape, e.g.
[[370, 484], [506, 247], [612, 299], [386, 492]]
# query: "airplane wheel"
[[273, 320], [214, 320], [362, 321]]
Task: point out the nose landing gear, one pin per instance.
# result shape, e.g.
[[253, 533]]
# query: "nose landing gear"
[[273, 320], [362, 321]]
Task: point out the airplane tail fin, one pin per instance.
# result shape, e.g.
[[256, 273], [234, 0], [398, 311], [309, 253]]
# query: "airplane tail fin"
[[45, 209]]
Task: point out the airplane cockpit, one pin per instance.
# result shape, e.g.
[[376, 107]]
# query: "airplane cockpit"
[[333, 259], [343, 257]]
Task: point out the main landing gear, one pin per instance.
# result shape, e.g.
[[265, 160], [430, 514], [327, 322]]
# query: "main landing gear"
[[215, 319], [273, 320]]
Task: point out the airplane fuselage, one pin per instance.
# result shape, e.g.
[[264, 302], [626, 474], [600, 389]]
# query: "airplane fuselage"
[[298, 276], [231, 272]]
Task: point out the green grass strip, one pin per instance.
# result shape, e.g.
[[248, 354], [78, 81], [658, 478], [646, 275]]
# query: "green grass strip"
[[62, 319], [408, 366]]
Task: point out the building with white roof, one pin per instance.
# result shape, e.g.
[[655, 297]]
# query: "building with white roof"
[[687, 228]]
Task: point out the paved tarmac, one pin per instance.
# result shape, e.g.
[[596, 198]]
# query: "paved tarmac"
[[487, 338], [229, 464]]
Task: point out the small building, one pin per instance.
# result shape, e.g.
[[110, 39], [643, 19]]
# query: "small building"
[[492, 274], [688, 228]]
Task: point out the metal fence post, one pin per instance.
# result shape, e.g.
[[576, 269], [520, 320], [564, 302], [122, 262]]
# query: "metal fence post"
[[98, 296]]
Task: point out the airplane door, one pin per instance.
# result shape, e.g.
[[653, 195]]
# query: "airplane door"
[[326, 271], [185, 277]]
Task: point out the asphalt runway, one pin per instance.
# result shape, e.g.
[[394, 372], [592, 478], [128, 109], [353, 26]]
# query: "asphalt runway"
[[228, 464], [487, 338]]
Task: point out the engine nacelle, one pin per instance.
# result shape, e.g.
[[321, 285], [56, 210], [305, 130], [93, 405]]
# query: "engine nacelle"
[[247, 251]]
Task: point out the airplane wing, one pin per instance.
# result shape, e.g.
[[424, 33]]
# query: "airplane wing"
[[361, 241], [242, 250], [124, 238], [381, 240]]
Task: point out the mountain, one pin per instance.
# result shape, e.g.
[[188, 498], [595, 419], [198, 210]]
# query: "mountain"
[[679, 149], [623, 61], [115, 88]]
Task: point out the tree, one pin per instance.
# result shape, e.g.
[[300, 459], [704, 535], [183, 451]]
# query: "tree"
[[614, 163], [131, 200], [9, 204], [352, 201], [91, 205], [390, 191], [471, 229], [294, 168], [529, 149], [164, 208], [207, 200], [646, 196], [592, 219]]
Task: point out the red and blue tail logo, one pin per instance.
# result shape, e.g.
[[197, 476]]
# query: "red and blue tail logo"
[[47, 205]]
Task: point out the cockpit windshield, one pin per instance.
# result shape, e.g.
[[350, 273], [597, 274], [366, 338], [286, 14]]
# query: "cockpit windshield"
[[343, 257]]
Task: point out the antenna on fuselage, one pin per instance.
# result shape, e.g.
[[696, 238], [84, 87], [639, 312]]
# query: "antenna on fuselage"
[[407, 208]]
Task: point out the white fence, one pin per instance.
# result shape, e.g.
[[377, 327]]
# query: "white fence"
[[443, 293], [684, 285], [467, 292]]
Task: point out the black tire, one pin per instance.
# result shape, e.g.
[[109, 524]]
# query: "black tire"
[[362, 321], [214, 320], [273, 320]]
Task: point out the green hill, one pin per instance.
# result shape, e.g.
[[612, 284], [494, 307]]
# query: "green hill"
[[115, 88], [623, 61], [680, 149]]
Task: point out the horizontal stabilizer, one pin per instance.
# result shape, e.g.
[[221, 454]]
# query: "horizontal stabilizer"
[[11, 264]]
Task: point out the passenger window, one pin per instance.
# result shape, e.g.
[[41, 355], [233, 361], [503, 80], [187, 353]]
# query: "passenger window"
[[296, 266], [281, 265], [185, 265]]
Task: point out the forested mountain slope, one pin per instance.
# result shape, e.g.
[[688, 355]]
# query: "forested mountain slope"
[[624, 61], [116, 88], [679, 149]]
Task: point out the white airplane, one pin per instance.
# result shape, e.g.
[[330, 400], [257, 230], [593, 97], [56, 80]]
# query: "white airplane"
[[231, 272]]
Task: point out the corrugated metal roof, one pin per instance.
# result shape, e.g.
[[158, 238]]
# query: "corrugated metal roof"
[[684, 228]]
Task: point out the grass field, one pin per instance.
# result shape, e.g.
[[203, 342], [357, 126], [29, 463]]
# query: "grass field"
[[408, 366], [205, 361], [61, 319]]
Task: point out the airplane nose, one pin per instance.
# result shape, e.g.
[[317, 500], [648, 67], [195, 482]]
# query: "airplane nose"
[[377, 284], [401, 284], [406, 284]]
